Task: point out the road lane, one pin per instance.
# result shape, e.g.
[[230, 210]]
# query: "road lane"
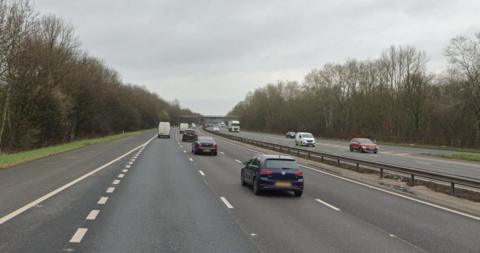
[[421, 226], [164, 205], [402, 156], [24, 183]]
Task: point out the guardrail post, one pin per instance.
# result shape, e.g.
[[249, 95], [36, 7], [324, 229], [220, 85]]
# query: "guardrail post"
[[308, 155], [338, 161], [322, 158], [298, 151], [381, 172], [288, 150], [412, 179], [357, 167], [452, 188]]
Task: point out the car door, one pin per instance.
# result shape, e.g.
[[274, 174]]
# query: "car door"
[[252, 168]]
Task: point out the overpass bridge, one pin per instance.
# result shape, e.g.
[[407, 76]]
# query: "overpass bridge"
[[205, 119]]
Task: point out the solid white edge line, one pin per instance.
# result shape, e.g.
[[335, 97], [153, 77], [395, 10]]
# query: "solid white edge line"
[[102, 200], [78, 236], [110, 189], [238, 161], [65, 186], [225, 201], [326, 204], [93, 214], [396, 194], [201, 172], [191, 159]]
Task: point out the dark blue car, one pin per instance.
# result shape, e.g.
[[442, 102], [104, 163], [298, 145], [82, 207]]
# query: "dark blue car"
[[273, 172]]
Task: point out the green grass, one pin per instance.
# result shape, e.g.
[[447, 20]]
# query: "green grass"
[[463, 156], [8, 160]]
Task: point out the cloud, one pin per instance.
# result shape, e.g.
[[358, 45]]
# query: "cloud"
[[209, 54]]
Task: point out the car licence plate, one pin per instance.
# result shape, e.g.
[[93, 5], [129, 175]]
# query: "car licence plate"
[[283, 184], [207, 150]]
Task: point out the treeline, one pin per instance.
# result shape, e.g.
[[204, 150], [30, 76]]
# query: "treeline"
[[51, 91], [392, 98]]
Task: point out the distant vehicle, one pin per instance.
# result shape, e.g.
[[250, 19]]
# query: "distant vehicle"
[[189, 135], [363, 145], [216, 129], [193, 125], [304, 139], [205, 145], [290, 134], [183, 127], [273, 172], [234, 126], [164, 129], [222, 124]]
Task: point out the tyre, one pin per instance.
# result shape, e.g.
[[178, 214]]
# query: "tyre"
[[298, 193], [242, 180], [296, 143], [375, 151], [351, 149], [214, 153], [256, 187], [159, 136]]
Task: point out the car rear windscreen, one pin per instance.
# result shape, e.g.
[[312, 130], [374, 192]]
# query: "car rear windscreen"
[[281, 164]]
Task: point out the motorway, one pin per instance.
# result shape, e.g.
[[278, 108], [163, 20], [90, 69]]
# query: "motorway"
[[421, 158], [153, 195]]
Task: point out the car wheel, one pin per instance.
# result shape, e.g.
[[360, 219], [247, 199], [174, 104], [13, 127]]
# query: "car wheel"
[[256, 187], [298, 193], [242, 179], [375, 151], [351, 149], [214, 153], [296, 143]]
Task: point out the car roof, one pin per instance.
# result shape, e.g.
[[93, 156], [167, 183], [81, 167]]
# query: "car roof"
[[264, 157], [303, 133]]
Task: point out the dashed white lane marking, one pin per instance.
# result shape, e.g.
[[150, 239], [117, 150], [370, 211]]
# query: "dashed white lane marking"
[[391, 235], [130, 162], [225, 201], [128, 166], [102, 200], [221, 153], [191, 159], [253, 234], [395, 194], [121, 175], [116, 181], [93, 215], [326, 204], [78, 236], [238, 161], [125, 170], [403, 154], [65, 186], [185, 151], [201, 172], [110, 189]]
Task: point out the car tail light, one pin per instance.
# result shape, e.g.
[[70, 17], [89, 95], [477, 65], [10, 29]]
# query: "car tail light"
[[298, 173], [215, 145], [265, 172]]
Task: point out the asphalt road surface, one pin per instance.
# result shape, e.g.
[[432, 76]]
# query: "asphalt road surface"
[[412, 157], [161, 198]]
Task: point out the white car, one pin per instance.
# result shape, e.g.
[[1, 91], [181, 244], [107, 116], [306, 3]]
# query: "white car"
[[304, 139], [216, 129]]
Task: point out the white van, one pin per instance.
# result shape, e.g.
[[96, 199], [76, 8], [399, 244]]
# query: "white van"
[[183, 127], [164, 129], [304, 139]]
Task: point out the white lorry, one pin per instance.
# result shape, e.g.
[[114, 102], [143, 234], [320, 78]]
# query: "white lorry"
[[234, 126]]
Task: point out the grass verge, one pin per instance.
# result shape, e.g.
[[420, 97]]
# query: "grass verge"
[[9, 160], [475, 157]]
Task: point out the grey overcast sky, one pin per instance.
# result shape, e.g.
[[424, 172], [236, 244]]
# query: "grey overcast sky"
[[209, 54]]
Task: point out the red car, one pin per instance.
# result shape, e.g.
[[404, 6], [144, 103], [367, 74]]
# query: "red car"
[[363, 145], [205, 145], [189, 135]]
